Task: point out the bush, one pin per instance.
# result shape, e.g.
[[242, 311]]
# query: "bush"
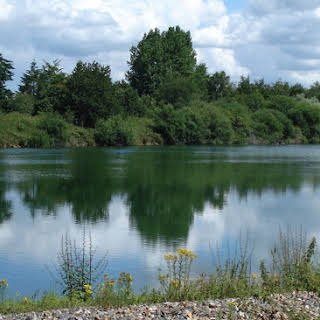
[[114, 132], [308, 119], [281, 103], [23, 103], [267, 127], [55, 127], [240, 119], [169, 123], [219, 124]]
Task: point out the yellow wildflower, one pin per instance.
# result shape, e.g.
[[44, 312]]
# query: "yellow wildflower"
[[232, 303], [170, 256], [186, 253], [174, 283], [87, 286], [254, 276], [3, 283], [162, 276]]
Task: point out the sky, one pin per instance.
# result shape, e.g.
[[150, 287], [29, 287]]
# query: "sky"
[[270, 39]]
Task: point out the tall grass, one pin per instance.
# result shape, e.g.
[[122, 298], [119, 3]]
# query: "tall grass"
[[291, 265]]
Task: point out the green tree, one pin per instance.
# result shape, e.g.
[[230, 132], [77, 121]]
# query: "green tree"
[[91, 93], [128, 100], [272, 126], [254, 100], [308, 119], [314, 90], [281, 103], [30, 80], [296, 89], [176, 90], [280, 88], [49, 86], [6, 74], [157, 55], [219, 86], [244, 86]]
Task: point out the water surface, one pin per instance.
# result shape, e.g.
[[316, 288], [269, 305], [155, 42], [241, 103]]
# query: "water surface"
[[140, 203]]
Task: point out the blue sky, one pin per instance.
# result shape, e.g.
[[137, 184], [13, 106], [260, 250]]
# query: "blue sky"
[[270, 39], [235, 5]]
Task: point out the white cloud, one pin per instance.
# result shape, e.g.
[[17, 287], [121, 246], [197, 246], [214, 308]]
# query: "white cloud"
[[268, 38]]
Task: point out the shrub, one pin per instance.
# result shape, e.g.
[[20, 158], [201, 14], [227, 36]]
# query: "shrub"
[[55, 127], [281, 103], [113, 132], [23, 103], [219, 124], [267, 127], [308, 119]]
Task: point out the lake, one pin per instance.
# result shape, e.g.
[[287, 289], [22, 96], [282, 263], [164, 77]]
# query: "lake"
[[139, 203]]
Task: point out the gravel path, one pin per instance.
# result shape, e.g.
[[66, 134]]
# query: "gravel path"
[[301, 305]]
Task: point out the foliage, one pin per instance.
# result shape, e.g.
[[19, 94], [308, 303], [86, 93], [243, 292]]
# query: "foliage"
[[123, 131], [3, 287], [128, 101], [113, 132], [6, 74], [220, 126], [77, 267], [281, 103], [168, 98], [114, 292], [254, 100], [158, 55], [30, 80], [48, 84], [240, 119], [26, 131], [308, 119], [271, 126], [176, 282], [90, 93], [56, 128], [219, 86], [290, 267], [302, 99]]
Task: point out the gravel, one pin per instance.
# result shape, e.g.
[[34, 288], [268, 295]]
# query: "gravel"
[[296, 305]]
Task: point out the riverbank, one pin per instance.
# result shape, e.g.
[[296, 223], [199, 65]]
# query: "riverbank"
[[295, 305], [51, 130]]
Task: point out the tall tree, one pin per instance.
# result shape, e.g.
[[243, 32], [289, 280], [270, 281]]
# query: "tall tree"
[[47, 85], [219, 86], [30, 80], [91, 93], [314, 91], [158, 55], [6, 74]]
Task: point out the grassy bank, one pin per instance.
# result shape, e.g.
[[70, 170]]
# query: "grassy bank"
[[291, 267], [20, 130], [44, 131]]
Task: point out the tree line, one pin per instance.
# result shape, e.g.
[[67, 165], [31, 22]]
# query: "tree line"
[[166, 98]]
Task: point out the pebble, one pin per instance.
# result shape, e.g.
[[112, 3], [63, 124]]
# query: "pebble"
[[305, 305]]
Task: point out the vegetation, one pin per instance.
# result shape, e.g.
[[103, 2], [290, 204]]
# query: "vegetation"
[[291, 266], [167, 98]]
